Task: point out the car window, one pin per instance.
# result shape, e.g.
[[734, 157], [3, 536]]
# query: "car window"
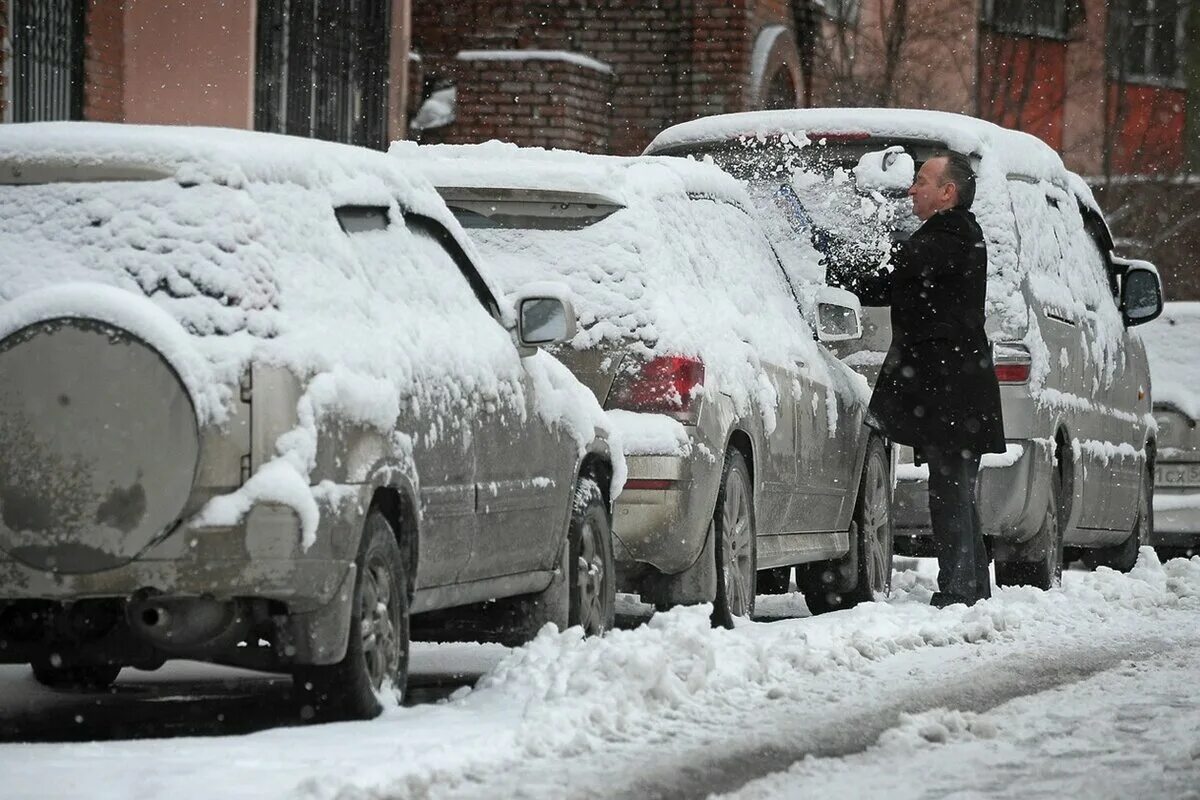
[[432, 229]]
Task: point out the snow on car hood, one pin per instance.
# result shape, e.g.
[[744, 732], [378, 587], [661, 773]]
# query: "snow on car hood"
[[657, 271], [224, 245]]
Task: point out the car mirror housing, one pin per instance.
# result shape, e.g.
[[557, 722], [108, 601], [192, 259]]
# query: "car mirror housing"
[[838, 315], [543, 318], [1141, 293]]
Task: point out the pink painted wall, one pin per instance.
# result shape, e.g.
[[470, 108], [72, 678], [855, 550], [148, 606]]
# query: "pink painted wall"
[[190, 62]]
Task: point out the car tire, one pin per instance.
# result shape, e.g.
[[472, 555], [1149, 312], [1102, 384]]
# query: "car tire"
[[867, 569], [375, 666], [777, 580], [94, 677], [1123, 557], [1046, 572], [592, 581], [736, 548]]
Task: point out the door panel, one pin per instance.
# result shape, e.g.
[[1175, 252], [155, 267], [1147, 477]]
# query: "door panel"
[[524, 480]]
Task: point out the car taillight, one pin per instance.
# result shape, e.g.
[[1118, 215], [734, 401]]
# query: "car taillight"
[[1012, 363], [663, 385]]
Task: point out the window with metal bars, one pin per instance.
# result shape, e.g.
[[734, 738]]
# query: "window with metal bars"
[[1147, 36], [322, 69], [47, 59]]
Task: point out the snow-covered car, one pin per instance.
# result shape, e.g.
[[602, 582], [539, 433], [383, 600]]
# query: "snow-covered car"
[[745, 439], [1173, 345], [1078, 471], [258, 406]]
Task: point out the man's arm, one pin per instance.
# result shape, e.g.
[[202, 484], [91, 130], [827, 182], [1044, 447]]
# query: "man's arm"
[[851, 266]]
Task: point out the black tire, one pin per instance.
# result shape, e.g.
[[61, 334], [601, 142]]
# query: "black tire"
[[592, 582], [1046, 572], [94, 677], [867, 569], [736, 548], [1123, 557], [777, 580], [376, 661]]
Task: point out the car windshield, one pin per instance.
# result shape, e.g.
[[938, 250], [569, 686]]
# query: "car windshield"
[[828, 193]]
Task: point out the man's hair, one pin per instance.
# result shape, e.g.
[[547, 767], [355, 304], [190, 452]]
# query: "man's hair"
[[959, 172]]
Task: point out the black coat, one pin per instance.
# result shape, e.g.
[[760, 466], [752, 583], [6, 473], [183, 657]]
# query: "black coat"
[[937, 386]]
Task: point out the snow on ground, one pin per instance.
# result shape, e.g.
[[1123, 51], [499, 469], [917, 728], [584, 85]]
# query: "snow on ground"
[[673, 708]]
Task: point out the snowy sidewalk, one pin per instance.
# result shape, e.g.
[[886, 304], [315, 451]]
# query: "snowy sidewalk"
[[675, 709]]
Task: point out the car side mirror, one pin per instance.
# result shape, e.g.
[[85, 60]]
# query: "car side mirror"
[[838, 315], [543, 319], [1141, 293]]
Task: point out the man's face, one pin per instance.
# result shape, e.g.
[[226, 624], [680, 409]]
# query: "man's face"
[[930, 193]]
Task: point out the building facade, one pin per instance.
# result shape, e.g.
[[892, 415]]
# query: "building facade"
[[336, 69]]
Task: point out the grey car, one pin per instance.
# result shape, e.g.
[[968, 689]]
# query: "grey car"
[[1077, 477], [259, 406], [746, 446]]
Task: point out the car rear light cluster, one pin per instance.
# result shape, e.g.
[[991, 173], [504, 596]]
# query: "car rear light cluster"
[[1012, 362], [662, 385]]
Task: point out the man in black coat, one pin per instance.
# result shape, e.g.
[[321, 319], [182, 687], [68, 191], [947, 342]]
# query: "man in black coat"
[[937, 390]]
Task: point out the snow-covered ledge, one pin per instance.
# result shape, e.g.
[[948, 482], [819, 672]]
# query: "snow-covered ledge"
[[565, 56]]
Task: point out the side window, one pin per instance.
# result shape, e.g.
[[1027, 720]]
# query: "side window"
[[430, 227], [1087, 268]]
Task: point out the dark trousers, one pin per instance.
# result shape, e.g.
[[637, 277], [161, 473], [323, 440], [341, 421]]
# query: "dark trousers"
[[957, 535]]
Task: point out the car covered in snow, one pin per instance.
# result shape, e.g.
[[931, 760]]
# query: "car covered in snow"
[[1173, 345], [259, 405], [744, 436], [1077, 474]]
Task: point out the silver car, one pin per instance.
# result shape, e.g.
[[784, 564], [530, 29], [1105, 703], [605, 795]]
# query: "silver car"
[[1173, 345], [1077, 477], [746, 446], [258, 406]]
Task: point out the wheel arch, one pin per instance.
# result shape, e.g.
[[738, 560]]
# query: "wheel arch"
[[740, 441], [397, 503]]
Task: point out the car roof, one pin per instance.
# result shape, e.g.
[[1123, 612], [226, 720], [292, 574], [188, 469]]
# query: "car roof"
[[1014, 152]]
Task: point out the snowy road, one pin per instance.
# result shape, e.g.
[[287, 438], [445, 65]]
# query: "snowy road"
[[1084, 691]]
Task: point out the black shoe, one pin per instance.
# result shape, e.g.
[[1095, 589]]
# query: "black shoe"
[[943, 599]]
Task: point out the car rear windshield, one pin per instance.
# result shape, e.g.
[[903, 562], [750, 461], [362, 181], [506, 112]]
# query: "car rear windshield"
[[193, 248]]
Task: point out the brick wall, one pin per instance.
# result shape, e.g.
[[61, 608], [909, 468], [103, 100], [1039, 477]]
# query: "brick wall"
[[103, 59], [531, 102], [671, 60]]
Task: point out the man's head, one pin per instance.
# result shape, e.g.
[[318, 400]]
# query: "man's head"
[[945, 181]]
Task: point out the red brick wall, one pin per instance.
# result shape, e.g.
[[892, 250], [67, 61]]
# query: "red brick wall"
[[534, 103], [103, 59], [672, 60], [1023, 84]]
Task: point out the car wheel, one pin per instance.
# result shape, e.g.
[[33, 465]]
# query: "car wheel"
[[736, 555], [376, 662], [774, 581], [78, 676], [592, 584], [867, 569], [1046, 572]]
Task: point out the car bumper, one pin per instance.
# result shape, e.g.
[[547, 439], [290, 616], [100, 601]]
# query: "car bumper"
[[1176, 518], [258, 561], [1011, 493], [664, 527]]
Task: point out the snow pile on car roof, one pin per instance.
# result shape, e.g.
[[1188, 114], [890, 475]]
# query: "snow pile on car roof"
[[680, 268], [1172, 345], [228, 249]]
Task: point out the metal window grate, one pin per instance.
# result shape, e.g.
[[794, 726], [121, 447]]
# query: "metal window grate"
[[322, 69], [47, 60]]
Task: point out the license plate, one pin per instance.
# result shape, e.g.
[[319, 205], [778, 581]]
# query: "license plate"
[[1177, 475]]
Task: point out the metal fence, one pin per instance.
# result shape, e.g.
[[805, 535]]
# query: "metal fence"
[[322, 69], [47, 59]]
